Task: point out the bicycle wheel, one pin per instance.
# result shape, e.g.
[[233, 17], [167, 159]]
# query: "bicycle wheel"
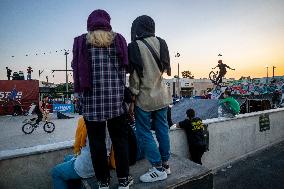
[[48, 127], [28, 128], [212, 76]]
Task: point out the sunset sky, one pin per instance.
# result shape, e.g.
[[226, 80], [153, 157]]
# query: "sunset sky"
[[248, 33]]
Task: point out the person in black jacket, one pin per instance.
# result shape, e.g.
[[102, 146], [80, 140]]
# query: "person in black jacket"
[[195, 135], [9, 72]]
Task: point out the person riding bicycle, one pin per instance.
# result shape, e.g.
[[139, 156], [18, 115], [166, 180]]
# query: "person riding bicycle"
[[222, 71], [41, 108]]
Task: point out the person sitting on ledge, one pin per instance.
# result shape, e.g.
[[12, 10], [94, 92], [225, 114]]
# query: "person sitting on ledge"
[[79, 165], [75, 166], [195, 135], [229, 106]]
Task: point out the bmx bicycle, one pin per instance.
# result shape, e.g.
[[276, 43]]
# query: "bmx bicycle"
[[30, 125], [213, 76]]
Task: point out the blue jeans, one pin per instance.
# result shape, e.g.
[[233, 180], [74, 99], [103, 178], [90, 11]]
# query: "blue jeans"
[[154, 154], [63, 172]]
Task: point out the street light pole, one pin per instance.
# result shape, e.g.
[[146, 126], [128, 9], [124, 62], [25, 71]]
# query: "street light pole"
[[273, 71], [66, 53], [266, 74], [178, 84]]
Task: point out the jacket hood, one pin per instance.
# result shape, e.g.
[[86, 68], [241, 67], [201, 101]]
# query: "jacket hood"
[[99, 20], [142, 27]]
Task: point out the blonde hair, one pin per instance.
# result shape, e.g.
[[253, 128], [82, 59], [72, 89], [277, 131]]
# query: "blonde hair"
[[100, 38]]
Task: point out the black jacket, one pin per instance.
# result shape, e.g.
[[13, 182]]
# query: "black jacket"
[[194, 131]]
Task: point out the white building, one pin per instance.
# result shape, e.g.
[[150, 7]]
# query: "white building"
[[189, 87]]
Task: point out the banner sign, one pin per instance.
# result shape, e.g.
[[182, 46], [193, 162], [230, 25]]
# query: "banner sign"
[[264, 122], [66, 108], [17, 92]]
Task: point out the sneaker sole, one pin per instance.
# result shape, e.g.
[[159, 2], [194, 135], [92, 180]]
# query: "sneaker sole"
[[127, 187], [156, 179], [168, 171]]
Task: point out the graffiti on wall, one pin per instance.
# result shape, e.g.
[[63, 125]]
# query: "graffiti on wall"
[[255, 88]]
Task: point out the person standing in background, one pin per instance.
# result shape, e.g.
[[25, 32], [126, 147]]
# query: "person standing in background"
[[29, 70], [9, 72]]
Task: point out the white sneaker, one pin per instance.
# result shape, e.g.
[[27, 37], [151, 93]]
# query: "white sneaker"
[[153, 175]]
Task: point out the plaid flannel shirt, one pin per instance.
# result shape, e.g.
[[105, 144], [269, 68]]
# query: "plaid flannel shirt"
[[105, 99]]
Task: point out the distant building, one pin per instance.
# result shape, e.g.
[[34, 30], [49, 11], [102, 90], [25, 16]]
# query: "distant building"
[[189, 87], [45, 84], [46, 88]]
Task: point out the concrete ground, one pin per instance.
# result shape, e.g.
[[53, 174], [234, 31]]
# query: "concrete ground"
[[263, 170], [12, 137]]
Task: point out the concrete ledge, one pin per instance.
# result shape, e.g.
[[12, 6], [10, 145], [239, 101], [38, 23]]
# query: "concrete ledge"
[[8, 154], [241, 116], [185, 174], [229, 140], [30, 171]]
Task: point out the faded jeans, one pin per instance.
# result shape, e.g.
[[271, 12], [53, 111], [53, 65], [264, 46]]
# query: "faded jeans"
[[64, 172], [148, 144]]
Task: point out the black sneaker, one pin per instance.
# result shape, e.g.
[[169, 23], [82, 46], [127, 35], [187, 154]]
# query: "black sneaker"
[[124, 183], [103, 185]]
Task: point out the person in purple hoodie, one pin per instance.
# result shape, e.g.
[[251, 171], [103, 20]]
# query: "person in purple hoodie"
[[99, 65]]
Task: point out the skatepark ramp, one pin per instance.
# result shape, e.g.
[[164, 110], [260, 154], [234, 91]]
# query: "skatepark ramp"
[[204, 108]]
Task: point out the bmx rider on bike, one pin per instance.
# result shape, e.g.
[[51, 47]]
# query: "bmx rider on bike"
[[41, 109], [222, 71]]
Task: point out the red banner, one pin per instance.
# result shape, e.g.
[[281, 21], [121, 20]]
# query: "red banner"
[[17, 92]]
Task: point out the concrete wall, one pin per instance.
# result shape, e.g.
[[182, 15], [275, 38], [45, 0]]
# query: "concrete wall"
[[229, 140], [232, 139], [29, 168]]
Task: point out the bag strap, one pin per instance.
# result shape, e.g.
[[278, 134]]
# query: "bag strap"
[[154, 55], [118, 75], [124, 106]]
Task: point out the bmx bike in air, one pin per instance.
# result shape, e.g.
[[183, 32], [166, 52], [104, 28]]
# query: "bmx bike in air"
[[31, 125], [213, 76]]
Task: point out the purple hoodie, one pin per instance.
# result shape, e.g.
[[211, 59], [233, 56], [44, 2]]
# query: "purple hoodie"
[[97, 20]]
